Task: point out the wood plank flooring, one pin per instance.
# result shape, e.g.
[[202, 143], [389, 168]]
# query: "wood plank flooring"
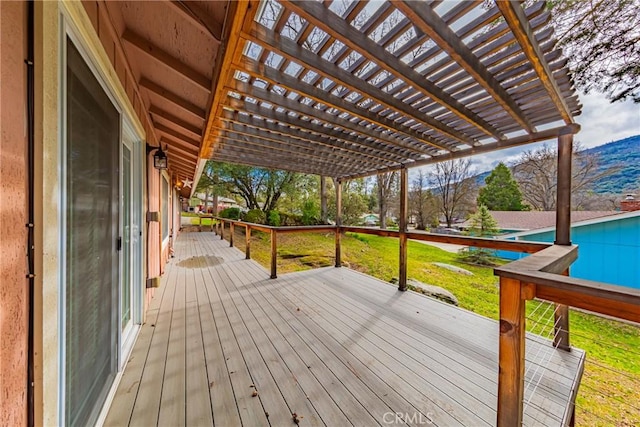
[[225, 345]]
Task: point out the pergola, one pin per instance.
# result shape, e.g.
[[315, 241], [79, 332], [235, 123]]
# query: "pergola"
[[348, 89]]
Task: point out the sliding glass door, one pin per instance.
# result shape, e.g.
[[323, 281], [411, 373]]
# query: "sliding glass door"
[[92, 242]]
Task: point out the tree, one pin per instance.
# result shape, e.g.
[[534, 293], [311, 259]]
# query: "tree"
[[454, 187], [387, 184], [253, 184], [209, 183], [482, 225], [537, 172], [422, 203], [601, 39], [354, 201], [501, 192]]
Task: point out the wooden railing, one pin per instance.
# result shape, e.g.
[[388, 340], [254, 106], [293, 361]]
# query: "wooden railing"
[[542, 275], [508, 245]]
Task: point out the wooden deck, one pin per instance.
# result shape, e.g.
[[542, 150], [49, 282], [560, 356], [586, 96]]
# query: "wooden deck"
[[333, 346]]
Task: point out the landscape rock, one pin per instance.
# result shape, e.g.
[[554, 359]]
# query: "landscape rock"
[[433, 291], [454, 268], [430, 290]]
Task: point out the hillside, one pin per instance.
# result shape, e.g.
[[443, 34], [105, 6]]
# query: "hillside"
[[623, 154]]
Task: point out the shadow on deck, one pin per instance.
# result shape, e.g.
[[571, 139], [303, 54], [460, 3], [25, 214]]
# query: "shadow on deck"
[[225, 345]]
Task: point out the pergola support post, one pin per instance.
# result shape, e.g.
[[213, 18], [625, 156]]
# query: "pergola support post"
[[563, 227], [338, 223], [247, 244], [274, 254], [323, 199], [404, 183]]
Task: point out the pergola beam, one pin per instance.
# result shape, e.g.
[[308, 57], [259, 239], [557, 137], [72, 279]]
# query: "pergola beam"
[[326, 135], [305, 110], [517, 20], [423, 16], [255, 158], [283, 143], [485, 148], [283, 149], [285, 47], [322, 18], [274, 77]]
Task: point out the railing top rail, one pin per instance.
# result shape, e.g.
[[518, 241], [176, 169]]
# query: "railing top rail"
[[543, 271], [483, 242]]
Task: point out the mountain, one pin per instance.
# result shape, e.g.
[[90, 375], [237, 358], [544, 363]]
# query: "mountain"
[[622, 155]]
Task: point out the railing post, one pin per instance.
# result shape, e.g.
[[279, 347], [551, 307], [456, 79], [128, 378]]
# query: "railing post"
[[511, 353], [338, 223], [231, 232], [274, 254], [199, 223], [247, 244], [563, 228], [404, 182], [221, 230]]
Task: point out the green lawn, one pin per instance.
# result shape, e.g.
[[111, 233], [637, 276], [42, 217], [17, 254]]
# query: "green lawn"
[[612, 376]]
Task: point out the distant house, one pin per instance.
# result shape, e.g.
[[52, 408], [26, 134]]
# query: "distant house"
[[370, 219], [197, 203], [609, 246]]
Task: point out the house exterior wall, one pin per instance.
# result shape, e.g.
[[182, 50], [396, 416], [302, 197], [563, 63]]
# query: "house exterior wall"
[[14, 315], [608, 251]]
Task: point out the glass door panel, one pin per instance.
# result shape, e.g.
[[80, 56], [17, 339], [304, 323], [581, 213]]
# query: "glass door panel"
[[125, 280], [92, 264]]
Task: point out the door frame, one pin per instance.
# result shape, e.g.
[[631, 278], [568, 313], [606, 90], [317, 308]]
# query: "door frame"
[[72, 22]]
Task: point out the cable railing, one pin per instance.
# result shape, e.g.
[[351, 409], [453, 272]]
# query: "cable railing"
[[542, 276]]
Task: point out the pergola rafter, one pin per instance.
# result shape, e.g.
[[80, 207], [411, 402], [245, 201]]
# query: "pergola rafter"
[[381, 88]]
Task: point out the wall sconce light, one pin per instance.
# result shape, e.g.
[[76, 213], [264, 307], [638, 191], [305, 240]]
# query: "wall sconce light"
[[160, 158]]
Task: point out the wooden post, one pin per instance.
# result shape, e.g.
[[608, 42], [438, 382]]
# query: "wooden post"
[[216, 225], [221, 230], [404, 182], [199, 223], [338, 223], [274, 254], [247, 244], [323, 199], [231, 232], [511, 353], [563, 228]]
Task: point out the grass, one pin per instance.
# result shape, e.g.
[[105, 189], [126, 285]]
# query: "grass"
[[611, 383]]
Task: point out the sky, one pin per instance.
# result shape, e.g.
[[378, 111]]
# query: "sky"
[[601, 122]]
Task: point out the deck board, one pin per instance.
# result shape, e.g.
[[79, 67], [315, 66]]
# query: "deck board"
[[334, 346]]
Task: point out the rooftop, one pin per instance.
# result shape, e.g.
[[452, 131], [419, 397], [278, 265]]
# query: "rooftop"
[[533, 220]]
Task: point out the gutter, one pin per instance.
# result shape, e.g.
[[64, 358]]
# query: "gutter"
[[31, 209]]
